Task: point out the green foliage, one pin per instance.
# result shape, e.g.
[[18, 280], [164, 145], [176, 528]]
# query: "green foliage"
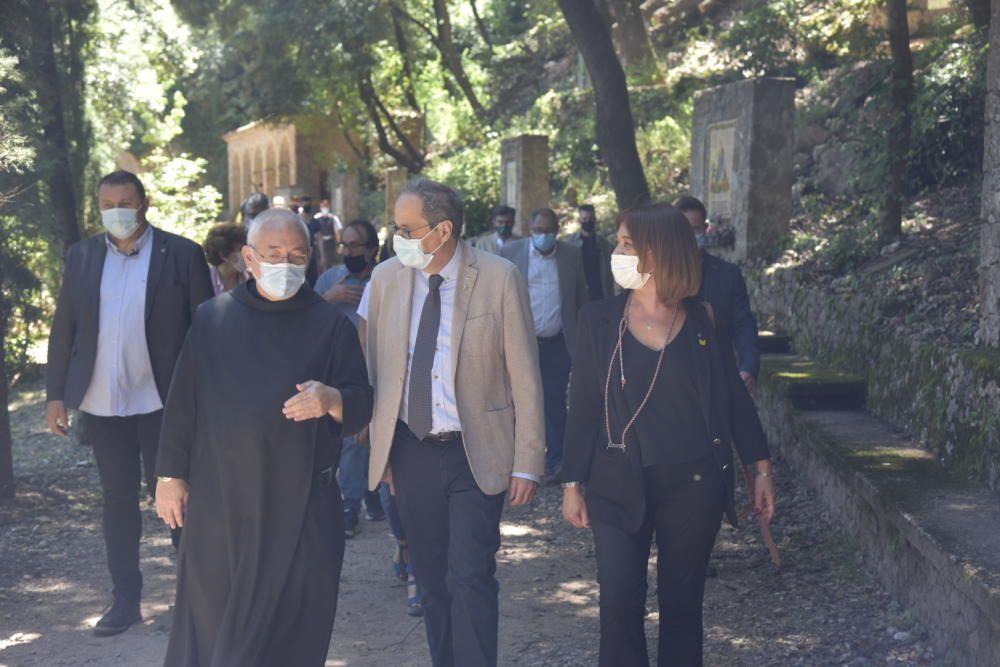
[[796, 37], [177, 203], [948, 109], [665, 149], [473, 173], [21, 301]]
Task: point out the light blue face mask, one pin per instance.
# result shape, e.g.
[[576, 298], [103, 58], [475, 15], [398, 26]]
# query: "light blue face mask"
[[702, 239], [544, 243]]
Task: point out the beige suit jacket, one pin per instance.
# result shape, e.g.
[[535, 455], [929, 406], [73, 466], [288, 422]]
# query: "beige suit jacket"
[[498, 385], [490, 242]]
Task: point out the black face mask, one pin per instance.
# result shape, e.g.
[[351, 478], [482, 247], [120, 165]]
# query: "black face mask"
[[589, 226], [356, 263]]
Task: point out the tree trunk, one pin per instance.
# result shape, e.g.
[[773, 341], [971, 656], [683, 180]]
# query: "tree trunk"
[[409, 91], [633, 39], [989, 259], [452, 58], [615, 129], [901, 95], [408, 156]]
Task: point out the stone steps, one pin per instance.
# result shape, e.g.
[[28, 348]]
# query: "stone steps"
[[931, 537], [770, 342], [810, 386]]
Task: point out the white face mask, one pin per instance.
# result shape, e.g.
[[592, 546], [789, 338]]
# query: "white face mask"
[[121, 223], [625, 269], [281, 281], [411, 252]]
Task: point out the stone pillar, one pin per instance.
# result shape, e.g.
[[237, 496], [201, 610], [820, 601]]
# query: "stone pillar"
[[345, 195], [741, 163], [989, 258], [524, 176], [395, 179]]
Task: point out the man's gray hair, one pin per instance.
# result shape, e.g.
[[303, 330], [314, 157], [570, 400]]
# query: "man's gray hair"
[[440, 202], [276, 215]]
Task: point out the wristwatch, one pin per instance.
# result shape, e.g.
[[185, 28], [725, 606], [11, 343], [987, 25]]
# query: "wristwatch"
[[571, 485]]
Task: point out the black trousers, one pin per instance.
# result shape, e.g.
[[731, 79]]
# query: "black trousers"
[[453, 529], [125, 450], [685, 504]]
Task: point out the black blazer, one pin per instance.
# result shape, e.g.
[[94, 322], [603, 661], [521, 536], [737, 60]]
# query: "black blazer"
[[614, 480], [178, 283], [722, 285]]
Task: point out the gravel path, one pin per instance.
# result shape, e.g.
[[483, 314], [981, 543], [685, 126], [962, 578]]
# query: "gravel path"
[[821, 608]]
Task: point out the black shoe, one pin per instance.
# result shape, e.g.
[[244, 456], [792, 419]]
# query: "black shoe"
[[119, 618], [351, 525]]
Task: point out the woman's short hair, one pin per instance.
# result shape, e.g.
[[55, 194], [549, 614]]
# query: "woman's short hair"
[[222, 240], [667, 248]]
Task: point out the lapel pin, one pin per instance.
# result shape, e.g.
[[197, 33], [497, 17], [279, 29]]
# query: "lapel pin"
[[702, 341]]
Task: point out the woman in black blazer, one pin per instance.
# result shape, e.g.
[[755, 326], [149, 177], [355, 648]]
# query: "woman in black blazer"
[[656, 407]]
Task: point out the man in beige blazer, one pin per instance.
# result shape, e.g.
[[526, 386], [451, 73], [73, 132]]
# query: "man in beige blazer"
[[502, 218], [451, 351]]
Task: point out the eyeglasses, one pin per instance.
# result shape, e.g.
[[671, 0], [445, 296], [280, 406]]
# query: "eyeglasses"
[[297, 258], [407, 233], [352, 247]]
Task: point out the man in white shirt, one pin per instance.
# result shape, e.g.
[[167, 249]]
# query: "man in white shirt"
[[448, 337], [557, 286], [127, 299]]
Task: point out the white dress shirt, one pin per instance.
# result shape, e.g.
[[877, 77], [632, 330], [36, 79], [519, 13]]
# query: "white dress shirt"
[[123, 384], [444, 407], [543, 289]]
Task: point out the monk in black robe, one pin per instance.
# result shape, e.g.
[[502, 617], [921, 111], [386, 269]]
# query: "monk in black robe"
[[269, 379]]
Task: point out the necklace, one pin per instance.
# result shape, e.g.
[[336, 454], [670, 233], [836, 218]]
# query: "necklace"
[[620, 352]]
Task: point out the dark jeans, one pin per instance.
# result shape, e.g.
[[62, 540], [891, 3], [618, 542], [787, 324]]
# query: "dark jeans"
[[684, 508], [353, 477], [125, 450], [391, 511], [453, 529], [554, 359]]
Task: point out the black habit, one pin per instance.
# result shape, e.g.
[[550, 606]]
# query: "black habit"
[[262, 546]]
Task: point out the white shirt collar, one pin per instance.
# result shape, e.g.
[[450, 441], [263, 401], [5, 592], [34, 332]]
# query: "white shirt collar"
[[450, 270], [136, 248]]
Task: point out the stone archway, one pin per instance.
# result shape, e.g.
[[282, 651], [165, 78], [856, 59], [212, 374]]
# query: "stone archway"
[[284, 164], [247, 177], [257, 175], [270, 170], [235, 181]]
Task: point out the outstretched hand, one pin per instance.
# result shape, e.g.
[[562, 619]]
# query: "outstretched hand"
[[313, 401]]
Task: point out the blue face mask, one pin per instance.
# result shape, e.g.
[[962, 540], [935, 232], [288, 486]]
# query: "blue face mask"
[[544, 243]]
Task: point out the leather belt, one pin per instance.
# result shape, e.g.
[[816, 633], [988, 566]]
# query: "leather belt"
[[446, 438]]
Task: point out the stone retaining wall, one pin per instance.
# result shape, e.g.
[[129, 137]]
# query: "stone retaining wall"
[[948, 400]]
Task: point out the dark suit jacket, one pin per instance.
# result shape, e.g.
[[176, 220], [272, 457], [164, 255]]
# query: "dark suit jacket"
[[178, 283], [614, 480], [722, 286], [572, 283], [604, 258]]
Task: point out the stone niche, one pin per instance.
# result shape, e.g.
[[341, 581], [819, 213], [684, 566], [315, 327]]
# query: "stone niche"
[[524, 176], [742, 147]]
